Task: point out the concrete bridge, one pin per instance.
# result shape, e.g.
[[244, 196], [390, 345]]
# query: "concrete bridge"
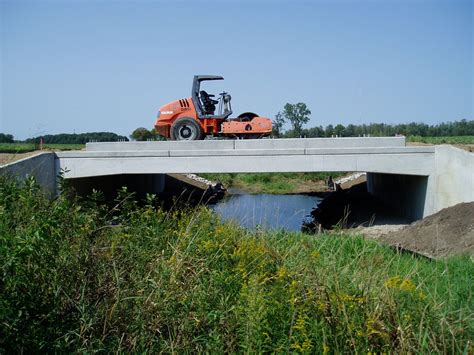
[[381, 155], [418, 180]]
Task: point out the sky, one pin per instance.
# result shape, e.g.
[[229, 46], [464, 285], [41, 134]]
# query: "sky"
[[89, 66]]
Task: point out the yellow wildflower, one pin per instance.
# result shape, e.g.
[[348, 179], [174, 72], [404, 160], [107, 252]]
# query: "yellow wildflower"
[[282, 272], [407, 285], [392, 282]]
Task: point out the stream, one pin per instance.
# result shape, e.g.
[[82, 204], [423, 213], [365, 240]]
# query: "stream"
[[266, 211]]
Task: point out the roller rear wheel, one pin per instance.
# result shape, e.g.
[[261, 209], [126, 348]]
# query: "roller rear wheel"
[[186, 129]]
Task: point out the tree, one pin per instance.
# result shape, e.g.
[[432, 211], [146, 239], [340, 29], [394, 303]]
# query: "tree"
[[6, 138], [297, 114], [329, 130], [313, 132], [339, 130], [141, 134], [156, 136], [350, 131], [278, 124]]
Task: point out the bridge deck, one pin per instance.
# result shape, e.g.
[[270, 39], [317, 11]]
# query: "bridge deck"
[[384, 155]]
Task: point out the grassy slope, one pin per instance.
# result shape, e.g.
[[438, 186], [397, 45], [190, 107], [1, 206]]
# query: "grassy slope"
[[80, 277], [442, 140], [27, 147], [274, 183]]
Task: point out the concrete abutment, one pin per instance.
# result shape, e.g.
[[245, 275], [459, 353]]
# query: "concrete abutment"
[[450, 182]]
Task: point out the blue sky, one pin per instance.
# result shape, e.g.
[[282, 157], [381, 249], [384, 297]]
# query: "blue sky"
[[83, 66]]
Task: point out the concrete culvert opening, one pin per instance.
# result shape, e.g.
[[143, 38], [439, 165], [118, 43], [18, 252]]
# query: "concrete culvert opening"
[[165, 186]]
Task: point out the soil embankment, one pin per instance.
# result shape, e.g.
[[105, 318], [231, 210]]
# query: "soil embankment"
[[447, 232], [7, 158]]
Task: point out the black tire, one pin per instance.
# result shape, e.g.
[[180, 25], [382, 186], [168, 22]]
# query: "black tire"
[[186, 129]]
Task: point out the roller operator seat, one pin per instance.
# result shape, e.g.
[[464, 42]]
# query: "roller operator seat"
[[208, 103]]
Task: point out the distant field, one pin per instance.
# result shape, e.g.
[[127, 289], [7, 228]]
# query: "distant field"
[[29, 147], [442, 140]]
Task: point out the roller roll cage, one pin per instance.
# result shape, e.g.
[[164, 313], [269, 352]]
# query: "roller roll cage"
[[195, 94]]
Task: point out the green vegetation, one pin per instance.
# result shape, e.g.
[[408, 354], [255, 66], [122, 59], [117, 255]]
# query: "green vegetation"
[[273, 183], [78, 138], [6, 138], [142, 134], [30, 147], [297, 114], [442, 140], [80, 277], [444, 129]]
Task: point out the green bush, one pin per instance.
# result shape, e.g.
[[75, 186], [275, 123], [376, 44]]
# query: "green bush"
[[81, 277]]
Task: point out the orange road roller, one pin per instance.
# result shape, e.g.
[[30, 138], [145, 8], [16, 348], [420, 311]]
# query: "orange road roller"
[[195, 117]]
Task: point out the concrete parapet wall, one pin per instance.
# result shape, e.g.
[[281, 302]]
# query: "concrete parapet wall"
[[244, 152], [41, 166], [289, 143]]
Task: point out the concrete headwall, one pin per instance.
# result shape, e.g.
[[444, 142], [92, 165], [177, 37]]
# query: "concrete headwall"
[[41, 166], [453, 180]]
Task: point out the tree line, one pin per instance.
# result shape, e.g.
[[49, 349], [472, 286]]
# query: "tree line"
[[299, 114], [6, 138], [78, 138]]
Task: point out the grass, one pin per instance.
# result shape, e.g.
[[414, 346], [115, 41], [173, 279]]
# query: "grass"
[[442, 140], [273, 183], [81, 277], [16, 148]]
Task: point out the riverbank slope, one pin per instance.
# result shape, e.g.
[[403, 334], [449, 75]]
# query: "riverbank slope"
[[81, 277]]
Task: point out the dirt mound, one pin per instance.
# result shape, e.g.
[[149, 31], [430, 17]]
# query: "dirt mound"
[[448, 232]]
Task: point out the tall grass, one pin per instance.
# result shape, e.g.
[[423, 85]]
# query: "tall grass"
[[79, 276]]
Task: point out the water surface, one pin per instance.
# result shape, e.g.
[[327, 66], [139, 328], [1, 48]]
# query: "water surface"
[[267, 211]]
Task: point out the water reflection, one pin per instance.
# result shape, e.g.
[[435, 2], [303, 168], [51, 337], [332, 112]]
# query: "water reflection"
[[268, 211]]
